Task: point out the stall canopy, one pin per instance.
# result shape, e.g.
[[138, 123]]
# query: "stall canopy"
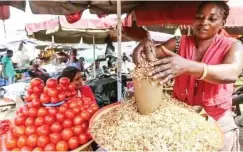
[[146, 13], [64, 32], [4, 12]]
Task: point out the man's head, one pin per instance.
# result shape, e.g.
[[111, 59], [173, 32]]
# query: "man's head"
[[97, 64], [10, 53]]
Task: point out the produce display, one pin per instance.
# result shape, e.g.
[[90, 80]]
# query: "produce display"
[[52, 92], [40, 128], [47, 53], [173, 126]]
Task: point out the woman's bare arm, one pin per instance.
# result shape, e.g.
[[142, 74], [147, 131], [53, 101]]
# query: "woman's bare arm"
[[227, 72]]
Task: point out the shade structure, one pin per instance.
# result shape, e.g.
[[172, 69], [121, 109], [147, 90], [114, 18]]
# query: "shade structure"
[[4, 12]]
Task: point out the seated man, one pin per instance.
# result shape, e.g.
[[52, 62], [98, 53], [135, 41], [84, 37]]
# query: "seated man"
[[36, 72]]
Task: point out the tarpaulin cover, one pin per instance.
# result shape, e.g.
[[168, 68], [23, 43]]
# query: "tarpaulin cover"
[[4, 12], [177, 13]]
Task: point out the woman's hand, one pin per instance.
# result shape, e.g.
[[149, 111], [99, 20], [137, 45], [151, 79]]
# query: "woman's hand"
[[145, 50], [169, 67]]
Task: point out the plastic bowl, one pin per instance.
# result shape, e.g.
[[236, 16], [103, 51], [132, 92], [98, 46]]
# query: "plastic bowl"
[[53, 104]]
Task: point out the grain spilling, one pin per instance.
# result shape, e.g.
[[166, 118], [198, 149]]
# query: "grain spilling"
[[174, 126]]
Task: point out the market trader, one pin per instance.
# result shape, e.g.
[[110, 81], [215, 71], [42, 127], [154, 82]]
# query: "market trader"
[[204, 66]]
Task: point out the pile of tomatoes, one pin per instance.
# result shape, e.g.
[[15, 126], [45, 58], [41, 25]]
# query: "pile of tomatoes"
[[52, 92], [40, 128]]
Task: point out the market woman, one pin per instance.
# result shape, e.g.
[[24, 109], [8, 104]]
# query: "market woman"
[[204, 66], [74, 74]]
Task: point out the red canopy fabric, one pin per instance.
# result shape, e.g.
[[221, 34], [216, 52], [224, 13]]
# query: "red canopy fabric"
[[177, 13], [4, 12]]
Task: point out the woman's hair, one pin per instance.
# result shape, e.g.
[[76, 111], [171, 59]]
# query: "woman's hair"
[[69, 72], [221, 4]]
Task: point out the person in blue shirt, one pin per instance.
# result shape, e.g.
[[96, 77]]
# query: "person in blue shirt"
[[8, 68]]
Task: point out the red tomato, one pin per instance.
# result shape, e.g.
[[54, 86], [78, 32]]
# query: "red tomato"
[[91, 111], [78, 130], [88, 134], [27, 98], [60, 117], [74, 93], [78, 120], [62, 109], [43, 130], [64, 81], [30, 130], [68, 94], [50, 147], [32, 140], [36, 82], [51, 83], [73, 143], [21, 142], [72, 105], [37, 90], [29, 105], [76, 110], [61, 96], [19, 131], [56, 127], [83, 138], [55, 137], [42, 141], [69, 114], [33, 112], [62, 146], [85, 125], [85, 115], [39, 121], [71, 87], [38, 149], [11, 143], [67, 133], [36, 103], [65, 88], [52, 92], [29, 90], [19, 120], [54, 99], [25, 111], [26, 149], [52, 111], [45, 90], [49, 119], [95, 107], [29, 121], [59, 88], [44, 98], [42, 112], [34, 96], [67, 123]]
